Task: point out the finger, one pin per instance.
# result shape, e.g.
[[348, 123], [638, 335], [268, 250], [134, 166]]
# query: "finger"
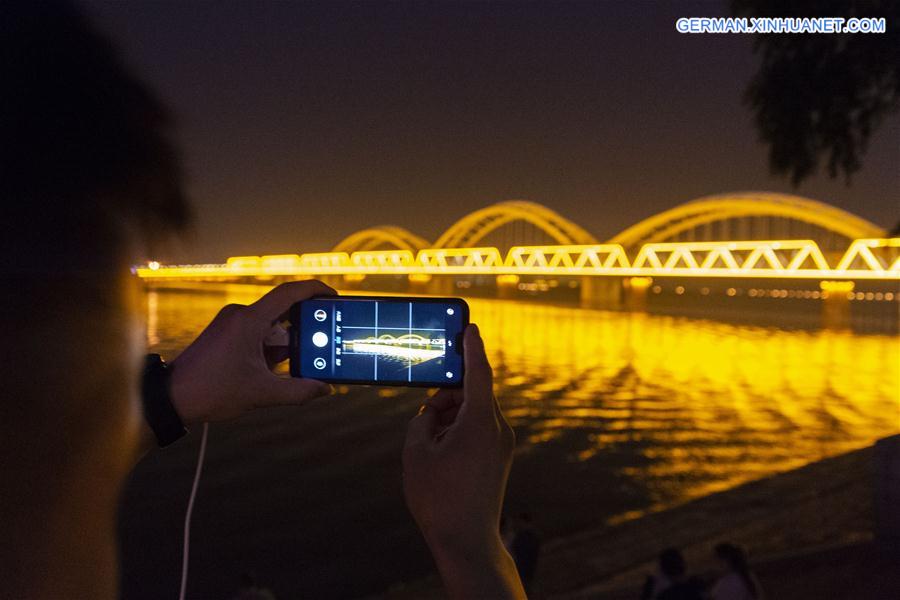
[[445, 399], [421, 428], [447, 403], [277, 302], [275, 355], [478, 381], [448, 417], [292, 390], [278, 337], [498, 413]]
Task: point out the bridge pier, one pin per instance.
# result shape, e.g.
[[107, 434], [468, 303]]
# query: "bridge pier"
[[507, 286], [836, 304], [440, 286], [634, 292], [601, 292]]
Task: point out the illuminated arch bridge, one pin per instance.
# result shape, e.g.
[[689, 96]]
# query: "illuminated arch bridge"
[[742, 235]]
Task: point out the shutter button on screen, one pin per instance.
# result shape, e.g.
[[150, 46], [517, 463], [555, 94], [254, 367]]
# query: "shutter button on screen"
[[320, 339]]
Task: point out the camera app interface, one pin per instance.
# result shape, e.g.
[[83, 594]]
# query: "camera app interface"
[[388, 341]]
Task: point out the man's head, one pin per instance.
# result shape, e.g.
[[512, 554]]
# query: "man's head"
[[88, 178], [87, 163]]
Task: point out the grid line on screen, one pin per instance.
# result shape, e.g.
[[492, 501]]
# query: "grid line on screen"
[[409, 344], [376, 337]]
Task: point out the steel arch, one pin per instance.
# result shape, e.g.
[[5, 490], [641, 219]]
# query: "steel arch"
[[371, 238], [472, 228], [666, 225]]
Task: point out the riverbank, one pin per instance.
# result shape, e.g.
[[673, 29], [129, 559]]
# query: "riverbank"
[[808, 531], [642, 414]]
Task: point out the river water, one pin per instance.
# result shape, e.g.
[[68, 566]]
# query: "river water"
[[616, 414]]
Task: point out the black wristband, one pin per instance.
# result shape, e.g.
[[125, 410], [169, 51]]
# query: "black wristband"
[[156, 396]]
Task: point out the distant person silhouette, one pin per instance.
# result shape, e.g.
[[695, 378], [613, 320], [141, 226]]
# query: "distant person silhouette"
[[738, 582], [525, 548], [671, 582]]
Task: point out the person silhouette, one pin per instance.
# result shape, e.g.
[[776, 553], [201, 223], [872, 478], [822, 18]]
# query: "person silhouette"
[[671, 581], [90, 180], [738, 582]]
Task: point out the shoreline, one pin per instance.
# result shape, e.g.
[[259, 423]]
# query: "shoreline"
[[805, 516]]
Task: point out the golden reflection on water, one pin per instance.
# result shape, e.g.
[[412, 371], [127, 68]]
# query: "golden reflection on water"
[[700, 406]]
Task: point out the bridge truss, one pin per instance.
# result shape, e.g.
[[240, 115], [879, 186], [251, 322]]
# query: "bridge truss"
[[864, 259]]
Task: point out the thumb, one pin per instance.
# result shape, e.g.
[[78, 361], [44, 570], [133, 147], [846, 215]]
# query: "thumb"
[[478, 381], [283, 390], [420, 430]]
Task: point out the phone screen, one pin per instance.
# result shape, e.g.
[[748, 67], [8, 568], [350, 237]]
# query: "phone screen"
[[388, 341]]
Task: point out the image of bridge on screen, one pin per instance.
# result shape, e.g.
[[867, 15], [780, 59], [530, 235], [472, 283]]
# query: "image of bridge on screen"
[[409, 349]]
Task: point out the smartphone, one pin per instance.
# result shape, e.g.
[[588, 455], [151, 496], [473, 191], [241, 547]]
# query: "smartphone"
[[377, 340]]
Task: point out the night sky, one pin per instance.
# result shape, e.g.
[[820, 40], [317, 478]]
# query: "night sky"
[[302, 123]]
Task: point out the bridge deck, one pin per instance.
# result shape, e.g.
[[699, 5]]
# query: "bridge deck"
[[864, 259]]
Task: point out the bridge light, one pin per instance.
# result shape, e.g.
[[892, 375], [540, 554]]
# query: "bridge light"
[[679, 290], [837, 286], [507, 279], [153, 265], [731, 291], [640, 283]]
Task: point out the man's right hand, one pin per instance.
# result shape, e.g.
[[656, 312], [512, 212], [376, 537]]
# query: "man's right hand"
[[456, 461], [226, 371]]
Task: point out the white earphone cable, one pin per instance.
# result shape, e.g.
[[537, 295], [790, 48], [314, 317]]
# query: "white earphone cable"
[[190, 509]]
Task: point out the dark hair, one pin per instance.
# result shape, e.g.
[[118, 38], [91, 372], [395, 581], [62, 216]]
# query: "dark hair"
[[671, 563], [736, 558], [86, 164]]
